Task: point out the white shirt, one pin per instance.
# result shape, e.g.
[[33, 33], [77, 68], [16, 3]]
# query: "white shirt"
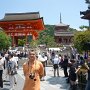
[[56, 60], [45, 57], [6, 55], [15, 59], [1, 63], [60, 58], [18, 52], [40, 58], [13, 62]]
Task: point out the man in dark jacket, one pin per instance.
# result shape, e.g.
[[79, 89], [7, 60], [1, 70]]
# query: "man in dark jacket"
[[65, 65]]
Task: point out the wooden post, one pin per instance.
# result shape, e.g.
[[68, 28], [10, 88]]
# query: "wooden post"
[[33, 37], [26, 38], [13, 43]]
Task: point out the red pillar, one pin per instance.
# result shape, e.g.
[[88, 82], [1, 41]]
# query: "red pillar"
[[34, 38], [13, 42], [26, 38]]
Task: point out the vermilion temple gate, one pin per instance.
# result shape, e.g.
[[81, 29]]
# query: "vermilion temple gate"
[[22, 25]]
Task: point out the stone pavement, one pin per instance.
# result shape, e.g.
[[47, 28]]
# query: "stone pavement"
[[50, 83], [19, 86]]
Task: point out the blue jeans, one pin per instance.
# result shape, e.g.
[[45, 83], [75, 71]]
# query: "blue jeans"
[[88, 85]]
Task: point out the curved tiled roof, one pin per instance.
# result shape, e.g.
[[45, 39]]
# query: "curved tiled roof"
[[20, 16], [61, 24]]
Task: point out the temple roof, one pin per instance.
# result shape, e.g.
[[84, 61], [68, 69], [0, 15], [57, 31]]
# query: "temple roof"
[[86, 14], [61, 24], [16, 21], [21, 16], [63, 34]]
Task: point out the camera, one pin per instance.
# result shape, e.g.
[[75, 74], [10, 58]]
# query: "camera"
[[32, 75]]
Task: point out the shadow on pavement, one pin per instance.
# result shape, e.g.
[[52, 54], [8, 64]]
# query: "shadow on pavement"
[[59, 81], [7, 84], [5, 89]]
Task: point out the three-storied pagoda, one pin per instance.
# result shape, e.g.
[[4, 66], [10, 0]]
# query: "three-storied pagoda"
[[22, 25], [62, 34]]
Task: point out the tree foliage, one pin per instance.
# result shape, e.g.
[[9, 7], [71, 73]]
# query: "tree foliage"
[[21, 42], [72, 30], [49, 30], [80, 39], [34, 43], [83, 27], [5, 41], [48, 40], [47, 35]]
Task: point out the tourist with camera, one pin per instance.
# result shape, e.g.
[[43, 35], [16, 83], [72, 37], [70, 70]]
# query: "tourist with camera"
[[33, 71]]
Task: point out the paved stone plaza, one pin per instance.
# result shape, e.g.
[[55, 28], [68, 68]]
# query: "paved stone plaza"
[[50, 83]]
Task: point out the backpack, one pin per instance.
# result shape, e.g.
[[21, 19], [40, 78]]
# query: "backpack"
[[11, 68]]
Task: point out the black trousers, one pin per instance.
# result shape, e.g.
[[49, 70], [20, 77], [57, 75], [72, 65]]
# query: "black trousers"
[[65, 71], [1, 80]]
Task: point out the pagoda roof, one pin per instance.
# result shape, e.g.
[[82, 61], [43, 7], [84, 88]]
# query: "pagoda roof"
[[21, 16], [63, 34], [86, 14], [61, 25]]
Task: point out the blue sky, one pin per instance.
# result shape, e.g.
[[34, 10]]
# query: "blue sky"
[[49, 9]]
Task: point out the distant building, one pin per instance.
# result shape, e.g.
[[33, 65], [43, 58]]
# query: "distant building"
[[86, 14], [62, 34], [22, 26]]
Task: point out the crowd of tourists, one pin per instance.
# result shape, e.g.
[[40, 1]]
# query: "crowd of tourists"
[[76, 69], [8, 68]]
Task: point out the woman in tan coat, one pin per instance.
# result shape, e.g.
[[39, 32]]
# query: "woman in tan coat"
[[33, 71]]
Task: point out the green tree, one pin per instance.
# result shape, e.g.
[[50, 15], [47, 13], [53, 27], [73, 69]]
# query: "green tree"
[[51, 41], [48, 40], [80, 39], [84, 27], [5, 41], [49, 30], [21, 42], [34, 43]]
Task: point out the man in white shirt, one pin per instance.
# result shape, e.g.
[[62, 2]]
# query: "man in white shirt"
[[15, 58], [42, 60], [56, 62]]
